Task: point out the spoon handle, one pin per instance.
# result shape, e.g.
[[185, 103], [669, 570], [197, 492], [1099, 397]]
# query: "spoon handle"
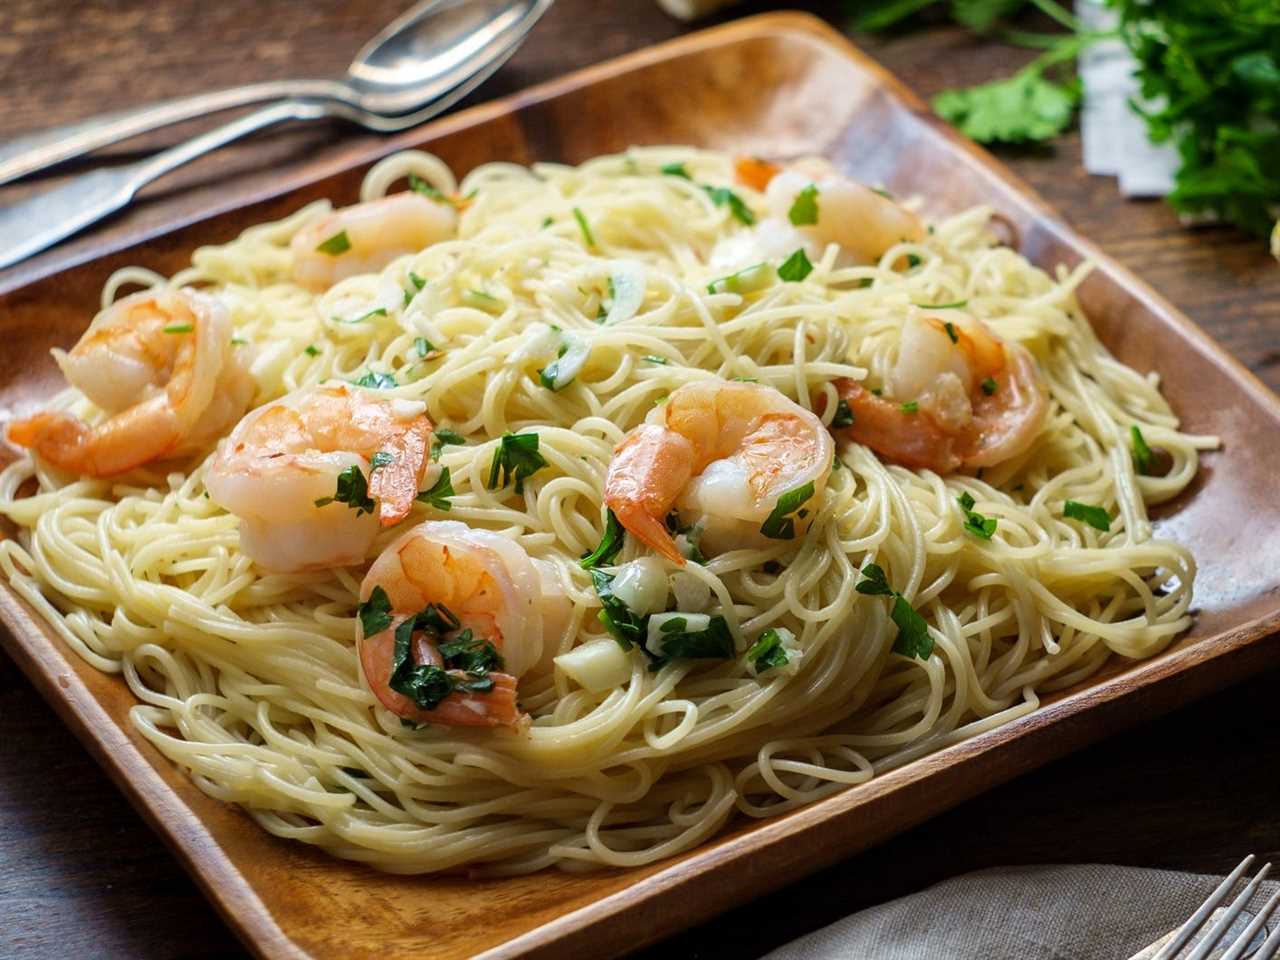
[[41, 221], [25, 155]]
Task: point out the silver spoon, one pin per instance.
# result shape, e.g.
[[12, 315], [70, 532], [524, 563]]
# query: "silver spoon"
[[41, 221], [416, 59]]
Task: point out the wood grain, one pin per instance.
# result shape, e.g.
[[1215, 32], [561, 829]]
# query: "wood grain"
[[63, 852]]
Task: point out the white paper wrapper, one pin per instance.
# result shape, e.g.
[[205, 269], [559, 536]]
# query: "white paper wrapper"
[[1115, 138]]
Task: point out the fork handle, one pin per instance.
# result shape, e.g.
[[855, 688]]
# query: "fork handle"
[[41, 221], [25, 155]]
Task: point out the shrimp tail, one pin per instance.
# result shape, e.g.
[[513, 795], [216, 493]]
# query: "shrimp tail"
[[648, 470], [911, 439], [113, 447], [395, 485]]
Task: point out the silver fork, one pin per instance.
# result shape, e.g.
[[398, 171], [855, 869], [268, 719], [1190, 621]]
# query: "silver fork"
[[1223, 921]]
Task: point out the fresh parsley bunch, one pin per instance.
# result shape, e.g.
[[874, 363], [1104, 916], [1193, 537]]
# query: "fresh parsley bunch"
[[1211, 67]]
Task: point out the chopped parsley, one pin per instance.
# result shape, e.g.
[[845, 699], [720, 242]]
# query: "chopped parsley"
[[913, 639], [713, 642], [549, 375], [747, 280], [381, 459], [780, 525], [911, 406], [517, 458], [375, 312], [179, 328], [311, 350], [422, 346], [768, 652], [721, 196], [1141, 452], [975, 523], [796, 267], [442, 437], [338, 244], [610, 543], [675, 170], [376, 381], [375, 613], [843, 416], [653, 359], [469, 659], [913, 261], [467, 653], [954, 305], [439, 492], [418, 284], [1096, 517], [1019, 109], [585, 227], [352, 489], [804, 210], [989, 386], [624, 626], [951, 331]]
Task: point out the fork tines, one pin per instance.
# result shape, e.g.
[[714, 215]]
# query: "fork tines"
[[1223, 924]]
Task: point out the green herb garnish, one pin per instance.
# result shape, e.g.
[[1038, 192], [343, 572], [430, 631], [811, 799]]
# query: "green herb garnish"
[[439, 493], [1096, 517], [989, 386], [768, 652], [1141, 452], [780, 525], [352, 489], [843, 416], [624, 626], [911, 406], [951, 331], [804, 209], [179, 328], [311, 350], [339, 243], [652, 359], [377, 381], [723, 195], [610, 543], [442, 437], [913, 639], [715, 642], [517, 458], [374, 613], [796, 267], [975, 523], [587, 235], [675, 170]]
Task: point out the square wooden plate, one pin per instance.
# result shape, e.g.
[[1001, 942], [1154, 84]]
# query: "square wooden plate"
[[777, 85]]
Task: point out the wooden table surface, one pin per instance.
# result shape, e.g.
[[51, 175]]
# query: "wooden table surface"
[[81, 875]]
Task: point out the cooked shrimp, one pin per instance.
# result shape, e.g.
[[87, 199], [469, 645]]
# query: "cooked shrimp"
[[280, 468], [863, 222], [366, 237], [722, 453], [163, 368], [493, 588], [977, 400]]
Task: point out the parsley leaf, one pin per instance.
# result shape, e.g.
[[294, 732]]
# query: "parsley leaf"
[[975, 523], [381, 459], [843, 416], [715, 642], [675, 170], [913, 639], [737, 206], [311, 350], [610, 543], [796, 267], [1024, 108], [442, 437], [768, 652], [179, 328], [1096, 517], [336, 245], [989, 386], [517, 458], [804, 209], [439, 492], [377, 381], [1141, 452], [352, 489], [911, 406], [374, 613], [779, 525], [585, 227], [624, 626]]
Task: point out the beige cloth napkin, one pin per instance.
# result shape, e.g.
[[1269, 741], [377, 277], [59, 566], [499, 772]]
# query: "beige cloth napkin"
[[1079, 912]]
